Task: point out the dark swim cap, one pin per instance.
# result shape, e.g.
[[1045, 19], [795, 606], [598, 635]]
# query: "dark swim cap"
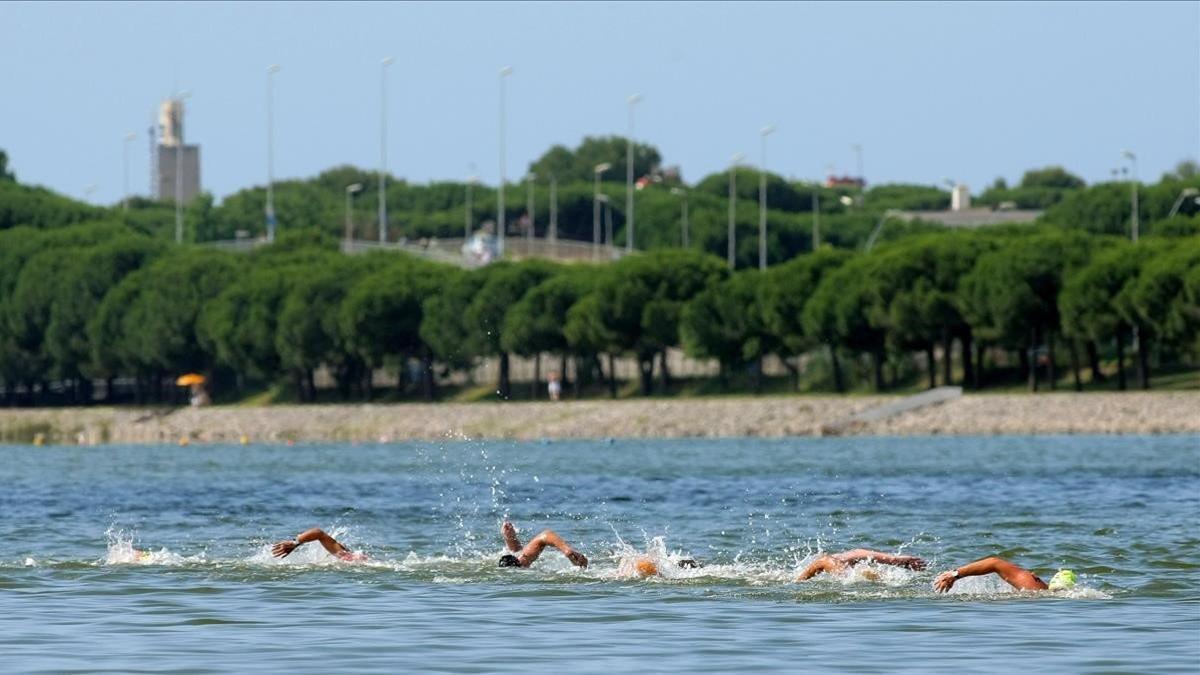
[[509, 560]]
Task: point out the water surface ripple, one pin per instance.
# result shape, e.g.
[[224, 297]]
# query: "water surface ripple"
[[206, 596]]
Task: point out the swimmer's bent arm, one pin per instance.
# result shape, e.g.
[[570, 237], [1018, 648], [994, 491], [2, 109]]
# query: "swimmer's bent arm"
[[333, 546], [823, 564], [550, 538], [1016, 576]]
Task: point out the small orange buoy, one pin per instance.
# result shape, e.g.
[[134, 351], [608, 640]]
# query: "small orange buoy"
[[183, 441], [245, 440]]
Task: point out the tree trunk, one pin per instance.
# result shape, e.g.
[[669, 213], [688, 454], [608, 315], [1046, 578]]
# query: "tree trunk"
[[964, 344], [310, 379], [1032, 359], [108, 389], [877, 363], [977, 373], [1093, 355], [1120, 361], [947, 357], [579, 375], [612, 375], [838, 384], [562, 370], [1051, 375], [664, 372], [1143, 350], [646, 371], [793, 372], [537, 377], [758, 374], [1074, 347], [428, 381], [930, 366], [502, 387]]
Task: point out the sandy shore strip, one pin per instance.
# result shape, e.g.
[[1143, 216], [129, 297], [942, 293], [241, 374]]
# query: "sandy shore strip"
[[985, 414]]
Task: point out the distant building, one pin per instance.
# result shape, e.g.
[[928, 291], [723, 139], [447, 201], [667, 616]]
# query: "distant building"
[[961, 213], [174, 155], [845, 181]]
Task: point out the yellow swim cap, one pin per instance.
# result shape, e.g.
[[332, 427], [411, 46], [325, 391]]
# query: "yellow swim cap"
[[1062, 580]]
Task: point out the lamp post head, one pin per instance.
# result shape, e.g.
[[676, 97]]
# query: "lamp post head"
[[737, 158], [603, 198], [1128, 154], [634, 99], [354, 188], [601, 168], [767, 130], [387, 61], [678, 191], [273, 68], [506, 71], [130, 136]]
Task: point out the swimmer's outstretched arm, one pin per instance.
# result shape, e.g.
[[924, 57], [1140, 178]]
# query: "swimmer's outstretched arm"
[[912, 562], [1016, 576], [840, 561], [284, 548]]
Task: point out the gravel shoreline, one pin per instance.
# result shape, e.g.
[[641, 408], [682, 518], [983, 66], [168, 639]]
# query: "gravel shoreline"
[[982, 414]]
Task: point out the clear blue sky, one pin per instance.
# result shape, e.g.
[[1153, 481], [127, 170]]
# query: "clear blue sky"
[[930, 90]]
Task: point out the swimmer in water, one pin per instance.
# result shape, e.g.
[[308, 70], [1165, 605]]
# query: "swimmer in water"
[[840, 563], [284, 548], [1016, 576], [523, 556], [644, 566]]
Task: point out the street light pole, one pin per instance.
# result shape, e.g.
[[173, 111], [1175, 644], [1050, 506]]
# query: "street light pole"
[[816, 210], [500, 226], [858, 162], [732, 237], [596, 172], [125, 170], [351, 190], [608, 226], [553, 215], [529, 234], [179, 98], [1143, 376], [271, 70], [633, 100], [1133, 204], [469, 211], [762, 198], [683, 216], [383, 221]]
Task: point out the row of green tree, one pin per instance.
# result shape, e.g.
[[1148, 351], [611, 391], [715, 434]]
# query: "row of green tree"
[[100, 301], [841, 216]]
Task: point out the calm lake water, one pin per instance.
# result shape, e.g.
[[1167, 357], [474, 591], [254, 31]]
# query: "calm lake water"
[[1123, 512]]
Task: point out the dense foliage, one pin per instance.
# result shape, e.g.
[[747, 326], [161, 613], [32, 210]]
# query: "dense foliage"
[[90, 294]]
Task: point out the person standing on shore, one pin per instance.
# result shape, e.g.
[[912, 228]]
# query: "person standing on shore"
[[554, 385], [1015, 575]]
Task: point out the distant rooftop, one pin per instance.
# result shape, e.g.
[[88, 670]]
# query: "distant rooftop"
[[975, 217]]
